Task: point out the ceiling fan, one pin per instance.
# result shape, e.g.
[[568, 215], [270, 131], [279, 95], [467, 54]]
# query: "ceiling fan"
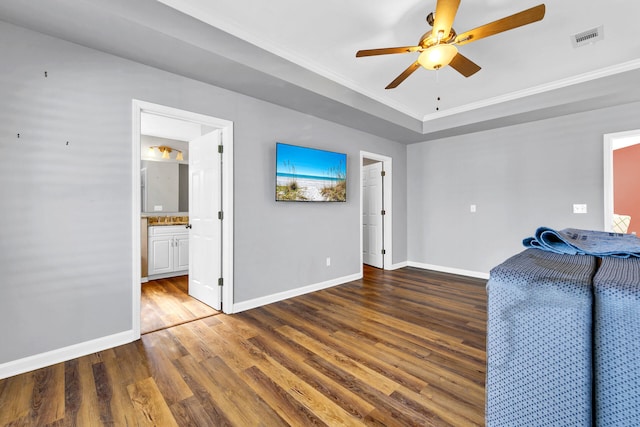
[[437, 47]]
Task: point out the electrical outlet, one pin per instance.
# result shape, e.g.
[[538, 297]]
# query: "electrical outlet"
[[328, 261], [579, 208], [472, 208]]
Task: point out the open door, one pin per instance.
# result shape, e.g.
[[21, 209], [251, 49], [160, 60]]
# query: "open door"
[[372, 215], [205, 235]]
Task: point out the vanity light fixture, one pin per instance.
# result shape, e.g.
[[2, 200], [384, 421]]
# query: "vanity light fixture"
[[165, 150]]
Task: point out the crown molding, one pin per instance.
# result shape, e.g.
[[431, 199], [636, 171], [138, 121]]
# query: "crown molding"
[[559, 84]]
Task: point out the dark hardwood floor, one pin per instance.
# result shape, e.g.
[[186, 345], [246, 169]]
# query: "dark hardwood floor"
[[166, 302], [397, 348]]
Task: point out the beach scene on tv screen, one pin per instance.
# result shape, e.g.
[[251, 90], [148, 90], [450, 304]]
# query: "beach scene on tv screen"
[[310, 175]]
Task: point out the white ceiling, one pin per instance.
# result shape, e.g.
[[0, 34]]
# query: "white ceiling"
[[324, 36], [301, 54]]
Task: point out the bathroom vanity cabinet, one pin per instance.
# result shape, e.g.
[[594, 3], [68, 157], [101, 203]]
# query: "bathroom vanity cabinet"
[[168, 250]]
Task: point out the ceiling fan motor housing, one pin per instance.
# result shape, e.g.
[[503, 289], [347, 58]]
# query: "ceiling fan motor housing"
[[428, 39]]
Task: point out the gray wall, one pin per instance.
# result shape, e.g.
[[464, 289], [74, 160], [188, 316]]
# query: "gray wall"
[[65, 234], [520, 178]]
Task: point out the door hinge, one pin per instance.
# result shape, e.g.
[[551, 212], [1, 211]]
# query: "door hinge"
[[383, 212], [383, 252], [220, 281], [383, 173], [220, 215], [220, 149]]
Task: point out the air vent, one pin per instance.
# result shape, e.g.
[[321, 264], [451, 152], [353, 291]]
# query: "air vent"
[[588, 37]]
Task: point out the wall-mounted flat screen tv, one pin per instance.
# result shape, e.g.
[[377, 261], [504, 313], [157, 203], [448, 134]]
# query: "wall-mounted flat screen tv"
[[310, 175]]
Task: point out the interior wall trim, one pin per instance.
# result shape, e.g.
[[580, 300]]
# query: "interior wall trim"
[[387, 164], [548, 87], [399, 265], [37, 361], [613, 141], [280, 296], [468, 273]]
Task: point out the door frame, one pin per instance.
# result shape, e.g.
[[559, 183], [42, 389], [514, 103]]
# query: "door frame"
[[613, 141], [138, 107], [372, 172], [388, 207]]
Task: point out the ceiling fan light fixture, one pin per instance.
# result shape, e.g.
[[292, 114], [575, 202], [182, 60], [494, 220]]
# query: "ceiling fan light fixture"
[[437, 56]]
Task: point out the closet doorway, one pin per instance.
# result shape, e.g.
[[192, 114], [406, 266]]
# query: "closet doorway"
[[376, 210], [208, 222]]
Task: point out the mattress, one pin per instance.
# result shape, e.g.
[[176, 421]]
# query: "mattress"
[[539, 340], [617, 342]]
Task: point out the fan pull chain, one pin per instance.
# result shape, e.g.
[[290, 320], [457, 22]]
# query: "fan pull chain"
[[438, 89]]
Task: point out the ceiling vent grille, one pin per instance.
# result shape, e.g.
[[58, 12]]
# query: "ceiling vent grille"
[[588, 37]]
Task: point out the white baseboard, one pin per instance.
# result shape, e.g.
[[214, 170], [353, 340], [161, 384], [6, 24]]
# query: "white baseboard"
[[269, 299], [49, 358], [469, 273], [397, 265]]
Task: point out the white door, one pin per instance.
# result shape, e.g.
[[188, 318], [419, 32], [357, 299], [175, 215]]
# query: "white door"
[[205, 234], [372, 218]]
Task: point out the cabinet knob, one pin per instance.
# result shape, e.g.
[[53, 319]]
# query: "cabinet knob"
[[187, 226]]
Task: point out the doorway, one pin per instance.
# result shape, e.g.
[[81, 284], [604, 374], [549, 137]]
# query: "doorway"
[[217, 179], [618, 146], [376, 210], [165, 303]]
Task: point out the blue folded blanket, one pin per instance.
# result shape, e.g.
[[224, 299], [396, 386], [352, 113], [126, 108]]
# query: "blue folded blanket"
[[616, 333], [572, 241], [539, 351]]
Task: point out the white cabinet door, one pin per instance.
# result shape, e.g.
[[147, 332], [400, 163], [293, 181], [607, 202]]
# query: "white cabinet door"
[[160, 254], [168, 250], [181, 252]]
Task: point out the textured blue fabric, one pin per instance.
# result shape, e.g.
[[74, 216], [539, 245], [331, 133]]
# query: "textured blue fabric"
[[573, 241], [617, 342], [539, 340]]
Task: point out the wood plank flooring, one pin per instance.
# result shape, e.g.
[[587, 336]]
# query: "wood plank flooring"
[[397, 348], [166, 303]]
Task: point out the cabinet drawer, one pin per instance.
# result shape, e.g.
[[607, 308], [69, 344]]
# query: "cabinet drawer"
[[164, 230]]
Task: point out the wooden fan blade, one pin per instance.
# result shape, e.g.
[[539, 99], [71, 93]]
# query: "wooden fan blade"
[[508, 23], [387, 50], [445, 14], [464, 65], [406, 73]]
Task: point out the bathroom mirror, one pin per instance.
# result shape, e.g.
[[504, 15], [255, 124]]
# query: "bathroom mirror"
[[164, 187]]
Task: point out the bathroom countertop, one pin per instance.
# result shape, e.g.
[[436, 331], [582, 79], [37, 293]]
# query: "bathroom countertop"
[[167, 220]]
